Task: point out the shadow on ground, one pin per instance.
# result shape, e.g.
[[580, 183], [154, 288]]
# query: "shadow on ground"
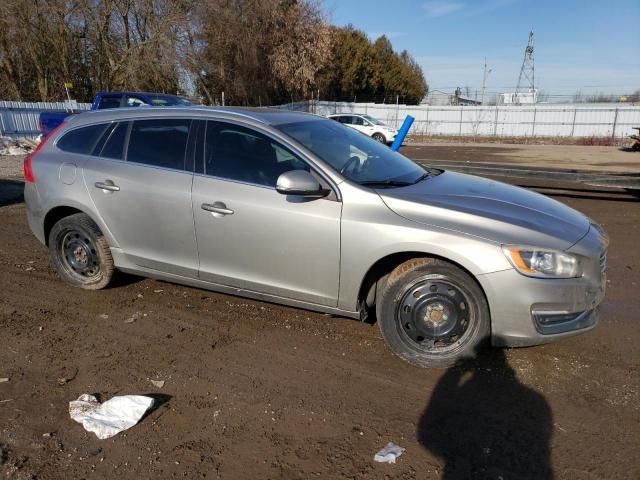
[[482, 423], [11, 191]]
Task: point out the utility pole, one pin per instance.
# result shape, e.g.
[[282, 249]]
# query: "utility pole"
[[527, 70], [484, 80]]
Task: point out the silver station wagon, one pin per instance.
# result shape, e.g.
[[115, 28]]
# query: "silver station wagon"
[[300, 210]]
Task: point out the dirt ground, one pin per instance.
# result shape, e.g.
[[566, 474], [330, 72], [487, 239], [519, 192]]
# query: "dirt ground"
[[588, 158], [255, 390]]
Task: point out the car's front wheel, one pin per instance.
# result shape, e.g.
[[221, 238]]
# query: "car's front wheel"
[[431, 313], [80, 253], [378, 137]]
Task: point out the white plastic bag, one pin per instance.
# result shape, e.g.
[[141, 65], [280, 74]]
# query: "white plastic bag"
[[389, 453], [111, 417]]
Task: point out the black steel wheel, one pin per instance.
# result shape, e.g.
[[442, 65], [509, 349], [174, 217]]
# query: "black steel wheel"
[[80, 252], [431, 313]]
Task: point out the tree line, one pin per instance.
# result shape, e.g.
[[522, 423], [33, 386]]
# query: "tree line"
[[258, 52]]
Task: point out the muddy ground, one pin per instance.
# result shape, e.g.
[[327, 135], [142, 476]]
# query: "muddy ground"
[[580, 157], [255, 390]]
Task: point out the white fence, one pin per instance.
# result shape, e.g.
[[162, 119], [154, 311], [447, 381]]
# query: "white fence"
[[20, 119], [518, 121]]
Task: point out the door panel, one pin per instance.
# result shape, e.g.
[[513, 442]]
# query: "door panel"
[[150, 215], [146, 200], [271, 243], [250, 236]]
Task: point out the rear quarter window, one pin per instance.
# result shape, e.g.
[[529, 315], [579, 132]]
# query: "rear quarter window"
[[81, 140]]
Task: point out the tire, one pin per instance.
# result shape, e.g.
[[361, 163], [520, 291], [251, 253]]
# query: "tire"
[[378, 137], [431, 313], [80, 253]]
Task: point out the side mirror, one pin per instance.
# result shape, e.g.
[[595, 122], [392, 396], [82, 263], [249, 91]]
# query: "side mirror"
[[300, 182]]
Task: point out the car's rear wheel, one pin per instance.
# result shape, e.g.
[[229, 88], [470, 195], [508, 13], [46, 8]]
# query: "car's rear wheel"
[[80, 253], [378, 137], [431, 313]]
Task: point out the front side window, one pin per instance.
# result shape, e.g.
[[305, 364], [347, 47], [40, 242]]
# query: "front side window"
[[160, 142], [134, 102], [356, 156], [373, 120], [81, 140], [242, 154], [358, 121], [169, 101]]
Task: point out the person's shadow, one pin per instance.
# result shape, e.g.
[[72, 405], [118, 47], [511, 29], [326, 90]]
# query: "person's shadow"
[[483, 423]]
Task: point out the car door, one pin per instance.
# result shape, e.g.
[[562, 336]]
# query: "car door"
[[360, 124], [140, 181], [255, 238]]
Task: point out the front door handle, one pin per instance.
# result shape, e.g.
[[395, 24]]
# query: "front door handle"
[[107, 185], [218, 208]]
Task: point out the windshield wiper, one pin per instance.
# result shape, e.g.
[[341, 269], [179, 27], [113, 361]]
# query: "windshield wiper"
[[385, 183], [422, 177]]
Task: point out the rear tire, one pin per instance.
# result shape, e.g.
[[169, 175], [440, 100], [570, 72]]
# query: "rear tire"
[[431, 313], [80, 253]]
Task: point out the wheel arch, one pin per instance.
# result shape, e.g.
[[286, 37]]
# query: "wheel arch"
[[381, 268], [57, 213]]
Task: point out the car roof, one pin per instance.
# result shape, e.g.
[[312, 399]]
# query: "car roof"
[[148, 94], [268, 116]]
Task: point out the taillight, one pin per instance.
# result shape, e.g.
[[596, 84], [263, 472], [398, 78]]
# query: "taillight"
[[28, 160], [28, 171]]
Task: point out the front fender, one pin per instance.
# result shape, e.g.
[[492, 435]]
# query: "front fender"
[[371, 233]]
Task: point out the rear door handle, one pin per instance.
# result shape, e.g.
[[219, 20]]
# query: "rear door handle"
[[217, 207], [107, 185]]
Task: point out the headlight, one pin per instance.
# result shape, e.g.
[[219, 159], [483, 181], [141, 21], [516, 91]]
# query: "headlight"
[[535, 262]]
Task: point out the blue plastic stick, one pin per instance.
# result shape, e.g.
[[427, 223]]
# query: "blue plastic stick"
[[404, 129]]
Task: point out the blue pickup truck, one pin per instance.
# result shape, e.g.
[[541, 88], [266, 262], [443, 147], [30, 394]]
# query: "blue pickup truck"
[[48, 121]]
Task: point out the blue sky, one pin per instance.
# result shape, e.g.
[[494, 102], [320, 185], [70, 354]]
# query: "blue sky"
[[591, 45]]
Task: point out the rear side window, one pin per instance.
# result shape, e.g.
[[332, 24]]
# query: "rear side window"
[[109, 102], [159, 142], [81, 140], [114, 144]]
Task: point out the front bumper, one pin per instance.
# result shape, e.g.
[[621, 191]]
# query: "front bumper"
[[531, 311]]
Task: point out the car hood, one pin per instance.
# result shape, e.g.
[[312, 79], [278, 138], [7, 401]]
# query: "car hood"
[[493, 210]]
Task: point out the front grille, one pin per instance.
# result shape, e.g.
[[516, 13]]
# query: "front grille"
[[603, 261]]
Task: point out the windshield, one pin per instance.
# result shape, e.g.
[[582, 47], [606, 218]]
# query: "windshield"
[[375, 121], [169, 101], [355, 155]]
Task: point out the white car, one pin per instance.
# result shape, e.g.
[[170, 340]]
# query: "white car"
[[368, 125]]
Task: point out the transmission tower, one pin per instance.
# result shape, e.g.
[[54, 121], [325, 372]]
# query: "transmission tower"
[[527, 70]]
